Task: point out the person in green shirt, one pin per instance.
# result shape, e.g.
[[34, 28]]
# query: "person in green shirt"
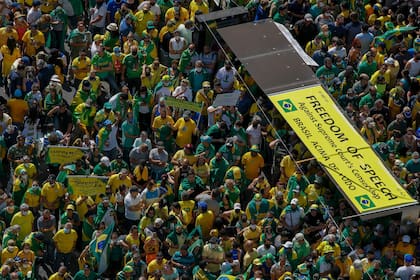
[[118, 164], [132, 66], [218, 168], [104, 67], [86, 274], [130, 130], [126, 273], [79, 38], [369, 99], [327, 72], [206, 147], [102, 168], [368, 66], [83, 94], [280, 16]]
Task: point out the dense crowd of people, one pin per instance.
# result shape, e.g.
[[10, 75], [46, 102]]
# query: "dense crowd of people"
[[227, 192]]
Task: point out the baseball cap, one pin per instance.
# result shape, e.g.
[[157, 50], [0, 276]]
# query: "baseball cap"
[[237, 206], [406, 239], [294, 201], [105, 160], [288, 244], [408, 258], [308, 17], [70, 207], [186, 114]]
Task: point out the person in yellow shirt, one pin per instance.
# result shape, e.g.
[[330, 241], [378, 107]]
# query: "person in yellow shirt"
[[80, 67], [60, 275], [186, 153], [32, 197], [10, 53], [51, 194], [65, 243], [33, 39], [25, 219], [288, 166], [403, 247], [27, 253], [185, 128], [143, 16], [205, 219], [198, 5], [18, 108], [84, 204], [356, 270], [253, 162], [7, 32], [29, 167], [10, 252], [187, 207], [116, 180], [94, 81], [213, 254], [156, 264], [177, 13]]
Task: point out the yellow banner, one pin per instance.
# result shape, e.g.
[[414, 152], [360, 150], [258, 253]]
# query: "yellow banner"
[[62, 155], [183, 104], [87, 185], [338, 146]]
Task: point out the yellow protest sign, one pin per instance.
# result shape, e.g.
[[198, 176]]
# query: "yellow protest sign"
[[183, 104], [337, 145], [64, 154], [87, 185]]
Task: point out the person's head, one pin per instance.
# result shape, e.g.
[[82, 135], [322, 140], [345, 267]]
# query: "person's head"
[[81, 26], [67, 228]]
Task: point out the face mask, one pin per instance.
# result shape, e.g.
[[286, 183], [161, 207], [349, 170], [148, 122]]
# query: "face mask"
[[198, 69], [415, 160], [26, 165], [134, 53], [66, 230], [371, 125], [258, 202], [24, 212], [166, 84], [253, 227], [143, 95], [354, 230], [213, 246], [177, 37], [26, 250], [361, 256], [10, 248], [183, 87]]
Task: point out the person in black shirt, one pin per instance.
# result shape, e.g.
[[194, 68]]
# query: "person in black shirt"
[[62, 118]]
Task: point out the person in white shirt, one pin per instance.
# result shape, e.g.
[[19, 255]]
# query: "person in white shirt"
[[183, 91], [254, 132], [177, 45], [226, 77], [132, 203], [266, 248], [34, 13]]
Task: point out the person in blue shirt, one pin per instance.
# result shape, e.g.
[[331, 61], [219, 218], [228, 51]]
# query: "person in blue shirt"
[[112, 7], [183, 260], [263, 10]]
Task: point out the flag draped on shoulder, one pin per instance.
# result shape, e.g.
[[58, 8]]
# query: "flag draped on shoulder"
[[99, 248]]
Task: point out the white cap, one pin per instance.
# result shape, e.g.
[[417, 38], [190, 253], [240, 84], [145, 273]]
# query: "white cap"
[[294, 201], [105, 160], [357, 264], [288, 244], [237, 206], [390, 61], [406, 238]]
